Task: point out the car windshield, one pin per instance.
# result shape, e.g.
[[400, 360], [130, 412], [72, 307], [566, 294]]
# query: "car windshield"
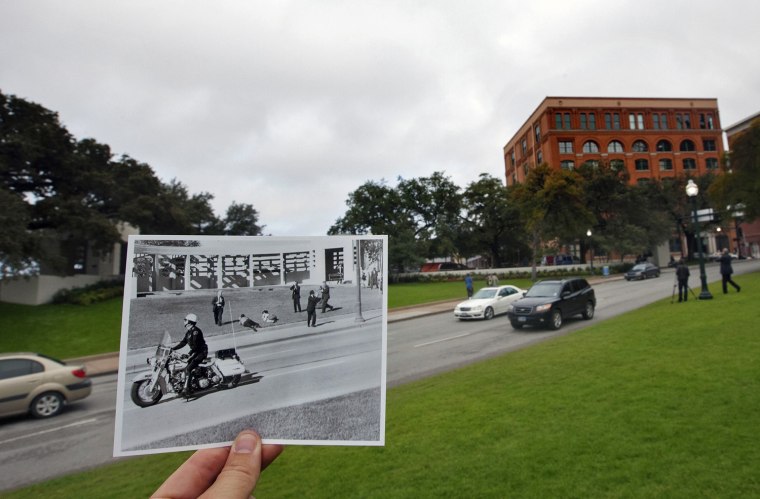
[[484, 293], [640, 266], [544, 289]]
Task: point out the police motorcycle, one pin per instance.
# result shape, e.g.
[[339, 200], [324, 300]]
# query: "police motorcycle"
[[167, 375]]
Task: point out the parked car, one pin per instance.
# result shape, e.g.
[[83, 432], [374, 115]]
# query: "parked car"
[[642, 271], [488, 302], [442, 266], [40, 385], [549, 302], [714, 257]]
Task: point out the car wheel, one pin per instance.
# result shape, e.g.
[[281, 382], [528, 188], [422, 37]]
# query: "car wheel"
[[47, 405], [588, 312], [556, 320], [516, 325], [488, 314]]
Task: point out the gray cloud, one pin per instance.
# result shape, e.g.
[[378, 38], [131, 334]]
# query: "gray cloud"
[[291, 105]]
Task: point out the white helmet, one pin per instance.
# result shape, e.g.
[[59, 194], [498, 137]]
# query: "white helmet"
[[191, 318]]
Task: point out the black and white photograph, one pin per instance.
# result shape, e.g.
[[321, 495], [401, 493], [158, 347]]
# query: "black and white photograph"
[[284, 335]]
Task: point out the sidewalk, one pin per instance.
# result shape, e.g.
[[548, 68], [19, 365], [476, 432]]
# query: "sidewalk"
[[108, 363]]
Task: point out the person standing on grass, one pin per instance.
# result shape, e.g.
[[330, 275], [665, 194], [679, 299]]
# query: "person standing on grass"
[[326, 297], [218, 304], [311, 309], [468, 285], [296, 295], [726, 270], [682, 275]]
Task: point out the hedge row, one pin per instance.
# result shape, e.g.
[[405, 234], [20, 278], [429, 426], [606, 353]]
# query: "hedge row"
[[87, 295]]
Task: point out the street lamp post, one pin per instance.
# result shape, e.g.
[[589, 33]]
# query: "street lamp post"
[[692, 190], [591, 251]]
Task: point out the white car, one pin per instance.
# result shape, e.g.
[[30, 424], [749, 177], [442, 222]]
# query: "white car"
[[488, 302]]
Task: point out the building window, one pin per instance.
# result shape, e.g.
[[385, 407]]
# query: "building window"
[[666, 164], [583, 121], [616, 121], [615, 146], [709, 145], [711, 163], [664, 121], [537, 132], [526, 169], [558, 121], [656, 121], [706, 121], [636, 121], [617, 164], [591, 147], [664, 146], [512, 157], [594, 164], [642, 165], [591, 121], [687, 145], [566, 116], [524, 145], [565, 147], [640, 146], [539, 157], [689, 164], [567, 165], [683, 121]]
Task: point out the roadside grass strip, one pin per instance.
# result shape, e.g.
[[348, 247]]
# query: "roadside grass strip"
[[659, 402]]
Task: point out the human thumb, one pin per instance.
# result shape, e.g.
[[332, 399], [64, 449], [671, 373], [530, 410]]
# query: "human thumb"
[[241, 471]]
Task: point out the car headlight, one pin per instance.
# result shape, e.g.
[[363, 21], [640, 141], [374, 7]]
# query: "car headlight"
[[543, 308], [477, 308]]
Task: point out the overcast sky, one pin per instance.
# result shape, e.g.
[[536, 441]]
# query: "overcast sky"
[[291, 105]]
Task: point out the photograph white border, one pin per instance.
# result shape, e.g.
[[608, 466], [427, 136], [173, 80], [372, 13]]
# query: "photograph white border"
[[168, 276]]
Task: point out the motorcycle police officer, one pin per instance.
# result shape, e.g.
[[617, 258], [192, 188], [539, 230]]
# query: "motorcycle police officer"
[[198, 348]]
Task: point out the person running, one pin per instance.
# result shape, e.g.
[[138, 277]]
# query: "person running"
[[726, 270]]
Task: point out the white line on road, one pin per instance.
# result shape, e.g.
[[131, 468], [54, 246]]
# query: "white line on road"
[[50, 430], [442, 339]]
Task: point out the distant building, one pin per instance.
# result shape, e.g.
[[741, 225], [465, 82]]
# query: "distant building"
[[90, 268], [744, 236], [650, 137]]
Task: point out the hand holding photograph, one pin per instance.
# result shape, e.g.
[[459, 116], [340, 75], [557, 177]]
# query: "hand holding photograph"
[[285, 335]]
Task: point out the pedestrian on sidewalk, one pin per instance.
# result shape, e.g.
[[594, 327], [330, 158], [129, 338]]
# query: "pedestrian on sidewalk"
[[726, 270]]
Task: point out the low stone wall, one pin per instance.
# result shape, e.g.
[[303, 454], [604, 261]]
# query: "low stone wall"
[[36, 290]]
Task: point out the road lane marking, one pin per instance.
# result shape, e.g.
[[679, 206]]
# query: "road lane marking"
[[442, 339], [50, 430]]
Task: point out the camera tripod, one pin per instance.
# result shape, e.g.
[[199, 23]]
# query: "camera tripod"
[[675, 286]]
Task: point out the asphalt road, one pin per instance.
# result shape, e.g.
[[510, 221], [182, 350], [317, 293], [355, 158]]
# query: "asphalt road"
[[82, 437]]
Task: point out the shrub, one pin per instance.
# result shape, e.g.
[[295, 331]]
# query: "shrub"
[[93, 293]]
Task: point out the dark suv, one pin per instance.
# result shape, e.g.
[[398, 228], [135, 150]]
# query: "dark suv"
[[548, 303]]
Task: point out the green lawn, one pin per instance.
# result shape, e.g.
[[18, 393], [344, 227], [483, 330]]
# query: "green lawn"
[[63, 331], [660, 402]]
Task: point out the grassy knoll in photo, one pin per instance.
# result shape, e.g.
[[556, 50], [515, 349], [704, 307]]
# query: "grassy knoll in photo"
[[659, 402]]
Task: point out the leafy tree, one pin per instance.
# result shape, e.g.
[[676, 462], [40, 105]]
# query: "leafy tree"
[[492, 224], [552, 204], [242, 220], [740, 183]]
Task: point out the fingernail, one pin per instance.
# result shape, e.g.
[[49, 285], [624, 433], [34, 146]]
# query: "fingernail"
[[245, 444]]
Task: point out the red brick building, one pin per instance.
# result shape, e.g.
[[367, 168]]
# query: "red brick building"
[[650, 137], [747, 242]]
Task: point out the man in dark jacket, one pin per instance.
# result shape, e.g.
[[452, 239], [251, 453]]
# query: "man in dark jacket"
[[296, 295], [218, 306], [726, 270], [326, 297], [682, 275], [311, 310], [198, 348]]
